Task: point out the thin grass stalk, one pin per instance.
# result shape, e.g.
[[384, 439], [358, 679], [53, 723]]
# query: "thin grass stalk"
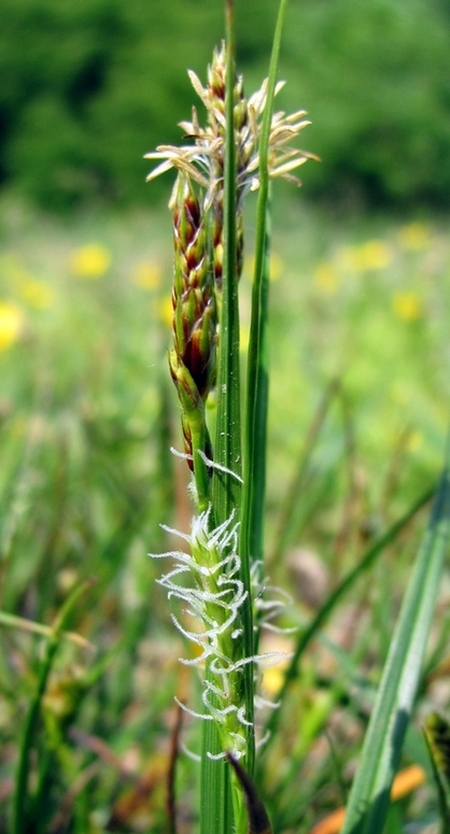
[[257, 367], [335, 597], [255, 440], [12, 621], [20, 801], [171, 775], [296, 484]]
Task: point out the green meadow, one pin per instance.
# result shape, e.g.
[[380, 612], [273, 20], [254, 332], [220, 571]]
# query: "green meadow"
[[359, 311], [307, 600]]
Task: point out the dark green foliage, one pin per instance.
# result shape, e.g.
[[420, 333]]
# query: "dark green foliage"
[[89, 87], [375, 79]]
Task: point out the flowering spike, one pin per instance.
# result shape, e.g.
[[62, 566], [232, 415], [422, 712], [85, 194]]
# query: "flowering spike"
[[205, 158], [192, 361], [215, 598], [204, 162]]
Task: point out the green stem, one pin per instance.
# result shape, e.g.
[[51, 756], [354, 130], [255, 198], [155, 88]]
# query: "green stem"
[[216, 810], [255, 438], [227, 449], [251, 544], [12, 621], [201, 475]]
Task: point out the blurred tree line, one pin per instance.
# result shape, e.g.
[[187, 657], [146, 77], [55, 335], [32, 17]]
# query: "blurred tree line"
[[88, 86]]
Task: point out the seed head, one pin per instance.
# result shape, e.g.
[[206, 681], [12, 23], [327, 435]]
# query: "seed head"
[[193, 299], [192, 360], [203, 161]]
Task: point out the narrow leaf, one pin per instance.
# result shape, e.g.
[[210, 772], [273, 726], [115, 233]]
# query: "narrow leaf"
[[20, 803], [253, 494], [258, 371], [369, 798]]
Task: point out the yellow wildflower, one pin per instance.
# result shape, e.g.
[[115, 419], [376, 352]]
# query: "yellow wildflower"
[[406, 781], [275, 269], [414, 236], [24, 283], [376, 254], [372, 255], [11, 324], [326, 277], [90, 262], [147, 275], [273, 679], [407, 305], [165, 308]]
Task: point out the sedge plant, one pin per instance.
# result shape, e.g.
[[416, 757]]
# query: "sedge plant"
[[218, 575], [242, 145]]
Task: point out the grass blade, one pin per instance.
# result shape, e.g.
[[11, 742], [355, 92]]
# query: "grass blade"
[[258, 371], [296, 484], [369, 798], [20, 805]]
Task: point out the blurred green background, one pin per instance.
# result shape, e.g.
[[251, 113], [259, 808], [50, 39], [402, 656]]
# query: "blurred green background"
[[360, 292], [88, 86]]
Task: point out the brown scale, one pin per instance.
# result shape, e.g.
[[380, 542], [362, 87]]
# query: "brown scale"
[[258, 820]]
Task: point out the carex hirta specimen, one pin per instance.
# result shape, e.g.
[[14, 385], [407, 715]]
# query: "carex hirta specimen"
[[213, 580]]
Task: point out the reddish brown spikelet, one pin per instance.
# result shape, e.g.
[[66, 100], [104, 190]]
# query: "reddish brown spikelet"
[[192, 361], [193, 299]]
